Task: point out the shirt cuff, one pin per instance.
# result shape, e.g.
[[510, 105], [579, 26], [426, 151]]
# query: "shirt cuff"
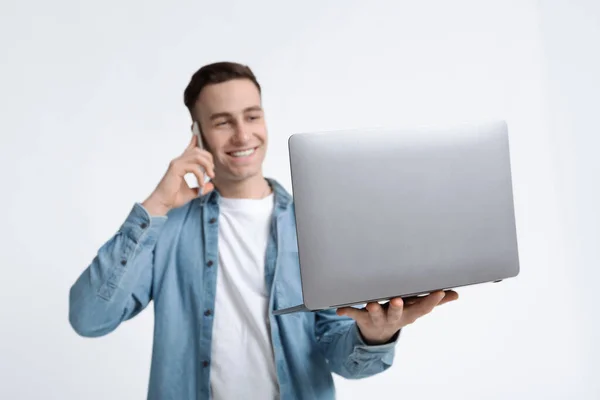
[[384, 347], [140, 223]]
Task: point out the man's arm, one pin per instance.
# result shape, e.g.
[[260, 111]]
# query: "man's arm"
[[364, 344], [346, 350], [117, 285]]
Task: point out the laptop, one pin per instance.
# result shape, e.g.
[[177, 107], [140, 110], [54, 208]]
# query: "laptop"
[[384, 213]]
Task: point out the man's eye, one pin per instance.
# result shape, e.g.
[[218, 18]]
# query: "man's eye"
[[253, 117], [221, 123]]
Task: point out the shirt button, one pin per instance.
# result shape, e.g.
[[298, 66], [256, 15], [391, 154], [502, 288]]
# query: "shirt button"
[[209, 263], [207, 313], [212, 221], [144, 225], [123, 262], [205, 364]]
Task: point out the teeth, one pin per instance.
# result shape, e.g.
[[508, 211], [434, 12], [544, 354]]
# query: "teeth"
[[244, 153]]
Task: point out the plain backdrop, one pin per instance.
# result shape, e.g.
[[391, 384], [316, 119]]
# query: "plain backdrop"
[[91, 100]]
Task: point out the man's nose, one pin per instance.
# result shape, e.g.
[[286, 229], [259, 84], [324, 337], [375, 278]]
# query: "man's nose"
[[242, 133]]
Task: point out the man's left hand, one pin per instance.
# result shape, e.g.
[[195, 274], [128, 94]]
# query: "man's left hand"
[[378, 324]]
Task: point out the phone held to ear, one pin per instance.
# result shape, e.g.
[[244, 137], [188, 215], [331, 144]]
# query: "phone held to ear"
[[196, 132]]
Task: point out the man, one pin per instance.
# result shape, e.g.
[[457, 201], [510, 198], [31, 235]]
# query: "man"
[[216, 264]]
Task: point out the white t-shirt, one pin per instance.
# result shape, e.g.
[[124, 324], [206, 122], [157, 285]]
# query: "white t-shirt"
[[243, 364]]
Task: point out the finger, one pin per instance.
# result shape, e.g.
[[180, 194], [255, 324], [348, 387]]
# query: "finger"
[[202, 159], [395, 310], [429, 302], [376, 313], [354, 313], [421, 307], [412, 300], [204, 153], [205, 159], [451, 295], [421, 298], [193, 143]]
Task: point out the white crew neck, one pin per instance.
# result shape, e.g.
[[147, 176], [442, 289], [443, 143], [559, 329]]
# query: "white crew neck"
[[263, 204]]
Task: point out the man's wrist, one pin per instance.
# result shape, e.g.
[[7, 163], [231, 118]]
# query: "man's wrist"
[[377, 342], [155, 208]]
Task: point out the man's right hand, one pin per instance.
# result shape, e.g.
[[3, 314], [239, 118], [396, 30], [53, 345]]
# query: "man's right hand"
[[173, 191]]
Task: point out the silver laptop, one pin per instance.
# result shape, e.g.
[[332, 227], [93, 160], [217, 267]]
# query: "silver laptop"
[[400, 213]]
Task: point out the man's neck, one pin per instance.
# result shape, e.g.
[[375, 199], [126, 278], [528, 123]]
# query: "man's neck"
[[253, 188]]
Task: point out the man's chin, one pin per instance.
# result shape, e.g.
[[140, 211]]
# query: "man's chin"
[[240, 176]]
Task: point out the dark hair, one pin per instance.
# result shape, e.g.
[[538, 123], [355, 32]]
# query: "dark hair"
[[218, 72]]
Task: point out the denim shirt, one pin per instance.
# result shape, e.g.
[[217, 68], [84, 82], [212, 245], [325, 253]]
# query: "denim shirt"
[[172, 261]]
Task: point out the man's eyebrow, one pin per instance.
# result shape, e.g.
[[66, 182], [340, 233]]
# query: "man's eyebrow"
[[227, 115], [220, 115]]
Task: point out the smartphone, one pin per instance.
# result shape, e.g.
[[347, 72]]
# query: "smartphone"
[[196, 132]]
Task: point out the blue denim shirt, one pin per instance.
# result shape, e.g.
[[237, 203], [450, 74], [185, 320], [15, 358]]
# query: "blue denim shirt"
[[171, 260]]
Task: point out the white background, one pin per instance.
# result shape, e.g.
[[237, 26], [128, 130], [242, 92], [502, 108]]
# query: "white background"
[[91, 100]]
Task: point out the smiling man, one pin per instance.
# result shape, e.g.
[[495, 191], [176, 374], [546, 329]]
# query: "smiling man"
[[216, 265]]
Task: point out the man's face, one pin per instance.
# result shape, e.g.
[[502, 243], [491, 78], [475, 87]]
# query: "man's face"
[[233, 126]]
